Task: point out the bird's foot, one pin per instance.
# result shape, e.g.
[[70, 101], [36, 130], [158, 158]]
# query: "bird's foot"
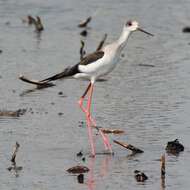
[[80, 102], [106, 142]]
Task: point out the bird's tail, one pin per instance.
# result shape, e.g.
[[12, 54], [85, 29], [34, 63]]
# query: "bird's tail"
[[54, 77], [68, 72]]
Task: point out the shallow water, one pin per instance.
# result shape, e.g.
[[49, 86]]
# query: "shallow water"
[[150, 103]]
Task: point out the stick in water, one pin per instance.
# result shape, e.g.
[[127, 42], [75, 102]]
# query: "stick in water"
[[85, 22], [102, 42], [17, 145], [129, 146], [163, 165], [163, 171], [82, 51]]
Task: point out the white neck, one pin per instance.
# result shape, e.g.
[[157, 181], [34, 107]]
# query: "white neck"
[[122, 41]]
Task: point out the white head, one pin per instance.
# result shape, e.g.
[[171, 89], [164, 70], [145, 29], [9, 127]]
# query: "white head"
[[133, 26]]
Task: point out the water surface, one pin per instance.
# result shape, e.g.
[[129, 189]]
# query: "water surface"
[[150, 103]]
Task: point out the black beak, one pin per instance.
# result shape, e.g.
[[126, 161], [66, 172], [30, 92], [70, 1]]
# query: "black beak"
[[145, 32]]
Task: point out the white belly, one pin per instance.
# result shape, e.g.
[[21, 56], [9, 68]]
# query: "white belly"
[[100, 67]]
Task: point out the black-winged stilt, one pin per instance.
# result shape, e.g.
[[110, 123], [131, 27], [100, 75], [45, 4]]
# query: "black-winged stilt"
[[92, 67]]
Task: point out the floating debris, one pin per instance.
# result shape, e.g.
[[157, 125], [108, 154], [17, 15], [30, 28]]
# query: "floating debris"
[[146, 65], [79, 154], [102, 42], [122, 55], [60, 93], [17, 145], [38, 24], [82, 51], [85, 22], [174, 147], [186, 29], [7, 23], [29, 20], [114, 131], [129, 146], [60, 113], [17, 113], [35, 21], [140, 176], [78, 169], [1, 51], [81, 124], [80, 178], [84, 33], [14, 167], [105, 153]]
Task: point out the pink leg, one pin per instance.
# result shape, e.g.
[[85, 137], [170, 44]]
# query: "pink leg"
[[106, 142], [88, 119], [80, 102], [104, 136]]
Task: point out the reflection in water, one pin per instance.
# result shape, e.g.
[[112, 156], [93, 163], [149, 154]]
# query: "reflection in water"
[[39, 38], [15, 169], [155, 100], [91, 180], [103, 171], [162, 182], [28, 91]]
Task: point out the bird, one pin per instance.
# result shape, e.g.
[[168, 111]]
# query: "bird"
[[92, 67]]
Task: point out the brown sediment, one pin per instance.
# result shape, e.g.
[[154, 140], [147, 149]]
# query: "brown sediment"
[[129, 146], [8, 113], [102, 42], [174, 147], [140, 176], [78, 169], [114, 131], [85, 22]]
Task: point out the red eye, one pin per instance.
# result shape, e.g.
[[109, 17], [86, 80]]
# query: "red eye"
[[129, 23]]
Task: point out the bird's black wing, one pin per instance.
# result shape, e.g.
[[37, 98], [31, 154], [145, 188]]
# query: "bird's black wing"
[[90, 58], [69, 71]]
